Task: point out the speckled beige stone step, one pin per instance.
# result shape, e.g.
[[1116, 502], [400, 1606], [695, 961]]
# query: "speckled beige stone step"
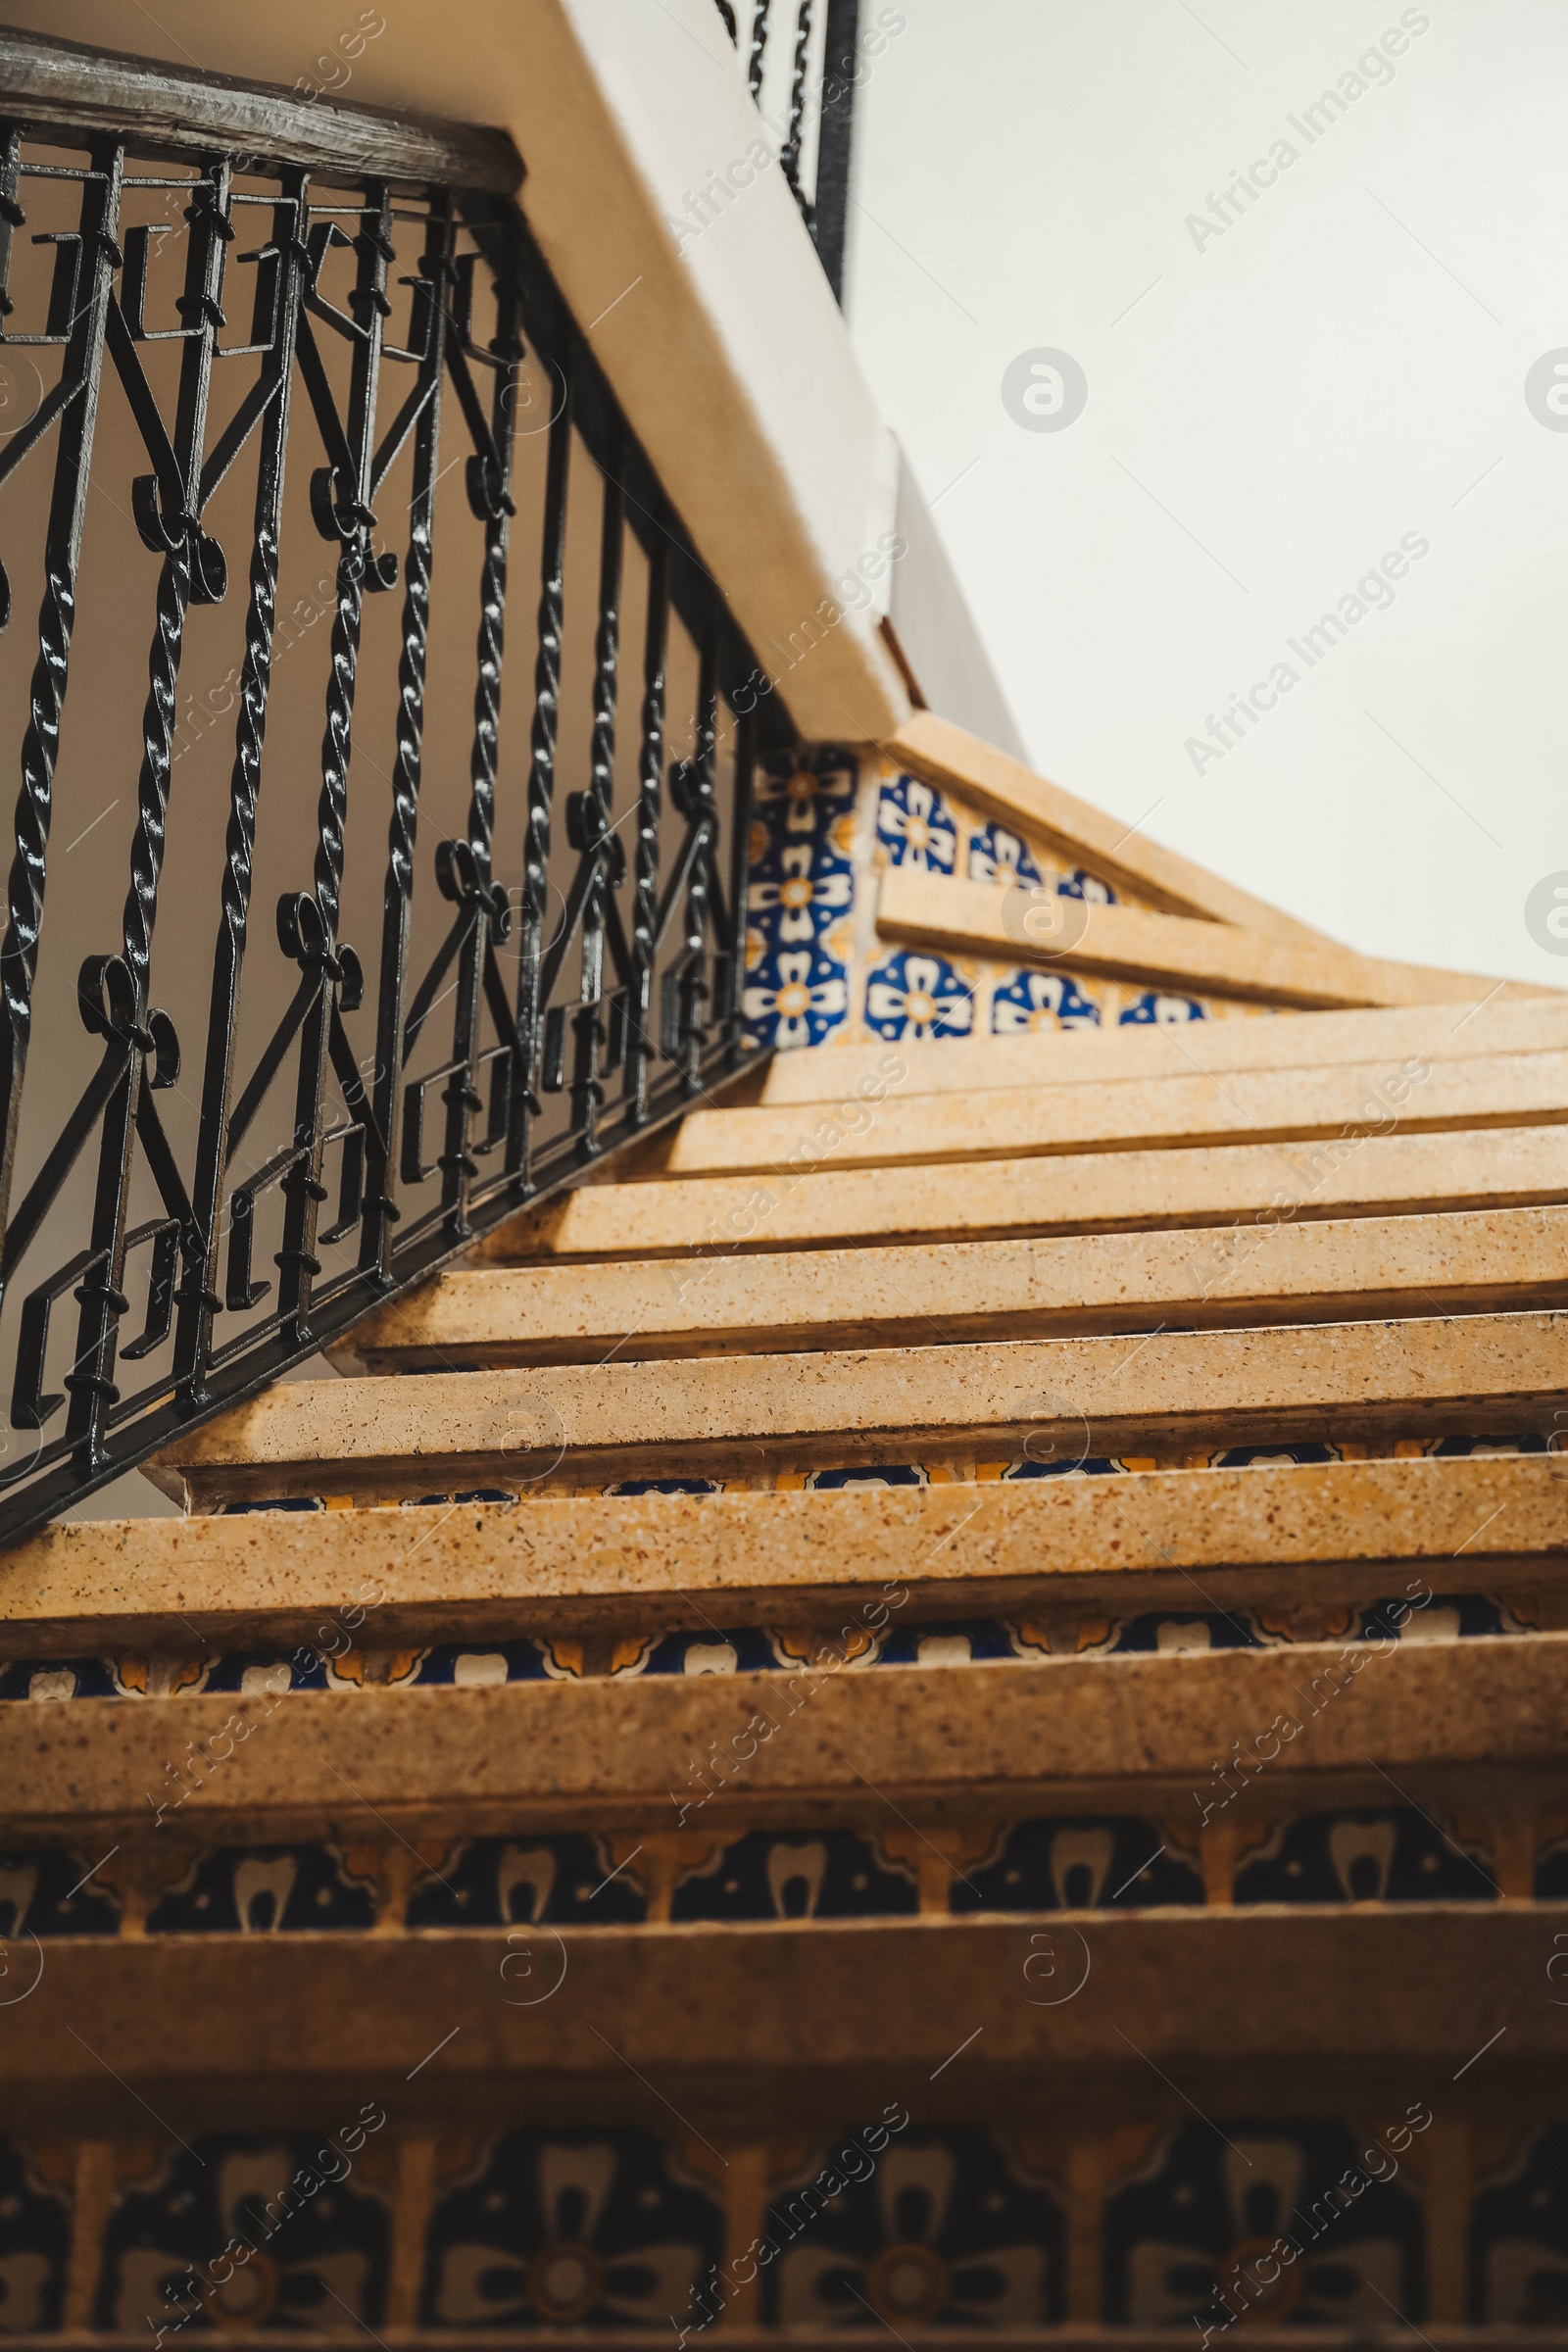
[[1450, 1719], [999, 786], [1078, 1192], [920, 910], [393, 1439], [1409, 1096], [833, 1072], [1246, 2011], [1472, 1261], [1294, 1535]]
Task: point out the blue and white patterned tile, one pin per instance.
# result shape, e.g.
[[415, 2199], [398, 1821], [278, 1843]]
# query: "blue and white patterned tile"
[[44, 1681], [596, 2229], [942, 2230], [45, 1891], [997, 856], [1398, 1857], [910, 995], [813, 801], [34, 2245], [1185, 2230], [1082, 884], [797, 892], [1039, 1001], [779, 1874], [563, 1880], [793, 997], [316, 2236], [266, 1890], [914, 826], [1156, 1010], [1519, 2237], [1114, 1864], [483, 1665]]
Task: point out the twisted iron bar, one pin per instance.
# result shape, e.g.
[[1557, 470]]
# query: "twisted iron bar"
[[650, 791], [81, 365], [790, 156], [621, 944]]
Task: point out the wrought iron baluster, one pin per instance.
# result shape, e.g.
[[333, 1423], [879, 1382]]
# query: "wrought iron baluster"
[[541, 784], [754, 63], [343, 512], [687, 984], [789, 155], [191, 566], [428, 333], [680, 919], [730, 987], [649, 784], [81, 367], [280, 270], [468, 879], [590, 815]]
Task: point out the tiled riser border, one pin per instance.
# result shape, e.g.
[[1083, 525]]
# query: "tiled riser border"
[[616, 2228], [1118, 1862], [815, 971]]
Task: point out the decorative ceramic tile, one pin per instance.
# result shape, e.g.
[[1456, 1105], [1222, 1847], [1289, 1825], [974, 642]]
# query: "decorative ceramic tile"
[[563, 1880], [914, 826], [44, 1680], [45, 1891], [1394, 1857], [601, 2228], [911, 995], [997, 855], [1519, 2237], [1119, 1864], [793, 996], [767, 1874], [1183, 2234], [797, 892], [264, 1889], [1040, 1001], [1551, 1886], [736, 1649], [477, 1666], [944, 2231], [317, 2238], [1155, 1008], [1082, 884], [34, 2245], [816, 800]]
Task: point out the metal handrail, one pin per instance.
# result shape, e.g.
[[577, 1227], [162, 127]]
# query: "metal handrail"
[[542, 993]]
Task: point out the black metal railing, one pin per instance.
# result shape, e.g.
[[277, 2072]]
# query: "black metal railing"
[[802, 67], [507, 925]]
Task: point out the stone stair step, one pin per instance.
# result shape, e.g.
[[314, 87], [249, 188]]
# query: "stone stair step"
[[1295, 1538], [1473, 1261], [396, 1439], [1476, 1724], [792, 2021], [1169, 1050], [1078, 1192], [934, 911], [1131, 1114]]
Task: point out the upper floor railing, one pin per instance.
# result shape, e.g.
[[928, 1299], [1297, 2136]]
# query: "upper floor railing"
[[804, 64], [287, 401]]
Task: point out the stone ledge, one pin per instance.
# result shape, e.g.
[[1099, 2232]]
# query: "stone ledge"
[[1298, 1536]]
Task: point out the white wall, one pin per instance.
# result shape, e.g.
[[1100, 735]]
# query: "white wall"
[[1338, 368]]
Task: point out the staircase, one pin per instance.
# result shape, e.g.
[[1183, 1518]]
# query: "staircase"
[[954, 1668]]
